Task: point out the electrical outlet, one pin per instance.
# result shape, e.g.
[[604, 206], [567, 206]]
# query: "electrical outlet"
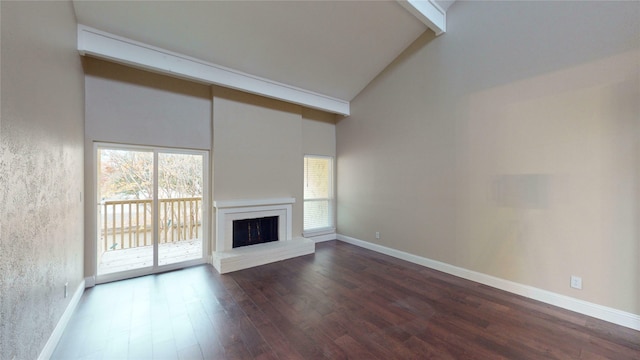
[[377, 234], [66, 289], [576, 282]]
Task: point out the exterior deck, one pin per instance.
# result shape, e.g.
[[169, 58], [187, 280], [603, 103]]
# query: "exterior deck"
[[126, 233], [142, 256]]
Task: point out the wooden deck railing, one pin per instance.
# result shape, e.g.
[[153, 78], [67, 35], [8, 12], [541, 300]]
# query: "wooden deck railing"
[[128, 223]]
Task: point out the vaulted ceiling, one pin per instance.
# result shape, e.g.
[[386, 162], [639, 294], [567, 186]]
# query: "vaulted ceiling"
[[334, 48]]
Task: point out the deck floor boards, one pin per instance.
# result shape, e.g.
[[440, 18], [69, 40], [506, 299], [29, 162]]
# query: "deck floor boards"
[[142, 256]]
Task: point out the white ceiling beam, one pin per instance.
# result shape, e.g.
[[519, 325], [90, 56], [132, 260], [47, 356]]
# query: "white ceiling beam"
[[114, 48], [427, 11]]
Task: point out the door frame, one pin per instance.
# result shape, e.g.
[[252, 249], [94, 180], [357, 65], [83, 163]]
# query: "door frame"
[[155, 268]]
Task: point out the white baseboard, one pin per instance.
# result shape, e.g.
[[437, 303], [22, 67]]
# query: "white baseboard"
[[89, 281], [322, 238], [612, 315], [51, 344]]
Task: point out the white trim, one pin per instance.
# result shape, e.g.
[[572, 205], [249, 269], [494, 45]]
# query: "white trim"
[[314, 232], [89, 281], [206, 225], [319, 231], [226, 216], [321, 237], [605, 313], [130, 52], [429, 12], [225, 219], [150, 270], [252, 202], [56, 335]]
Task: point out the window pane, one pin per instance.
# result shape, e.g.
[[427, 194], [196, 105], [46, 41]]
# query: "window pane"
[[317, 214], [317, 178], [180, 189], [125, 210], [318, 192]]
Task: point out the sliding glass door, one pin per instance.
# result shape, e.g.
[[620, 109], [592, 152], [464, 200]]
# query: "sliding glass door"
[[180, 190], [151, 209]]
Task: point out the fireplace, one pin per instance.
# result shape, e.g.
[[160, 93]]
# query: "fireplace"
[[255, 231], [266, 228]]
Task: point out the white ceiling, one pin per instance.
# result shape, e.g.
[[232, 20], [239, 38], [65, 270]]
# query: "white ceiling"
[[333, 48]]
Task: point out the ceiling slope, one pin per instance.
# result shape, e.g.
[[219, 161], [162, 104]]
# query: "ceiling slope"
[[327, 48], [118, 49]]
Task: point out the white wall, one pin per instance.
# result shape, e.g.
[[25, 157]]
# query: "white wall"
[[259, 146], [130, 106], [318, 133], [41, 170], [507, 146], [257, 149]]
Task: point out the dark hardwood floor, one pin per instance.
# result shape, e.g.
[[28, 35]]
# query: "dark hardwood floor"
[[343, 302]]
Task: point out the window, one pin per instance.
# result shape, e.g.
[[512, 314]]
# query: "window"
[[318, 194]]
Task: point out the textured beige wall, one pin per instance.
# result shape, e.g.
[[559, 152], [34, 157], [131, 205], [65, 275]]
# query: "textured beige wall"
[[41, 172], [508, 146]]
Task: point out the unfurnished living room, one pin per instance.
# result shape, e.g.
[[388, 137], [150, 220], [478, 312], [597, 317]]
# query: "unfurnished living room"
[[319, 179]]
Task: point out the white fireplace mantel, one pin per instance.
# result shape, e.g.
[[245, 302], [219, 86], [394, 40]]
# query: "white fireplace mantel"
[[227, 259], [252, 202]]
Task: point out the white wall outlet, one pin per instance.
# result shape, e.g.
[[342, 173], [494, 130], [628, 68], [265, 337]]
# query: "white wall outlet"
[[377, 234], [66, 289], [576, 282]]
